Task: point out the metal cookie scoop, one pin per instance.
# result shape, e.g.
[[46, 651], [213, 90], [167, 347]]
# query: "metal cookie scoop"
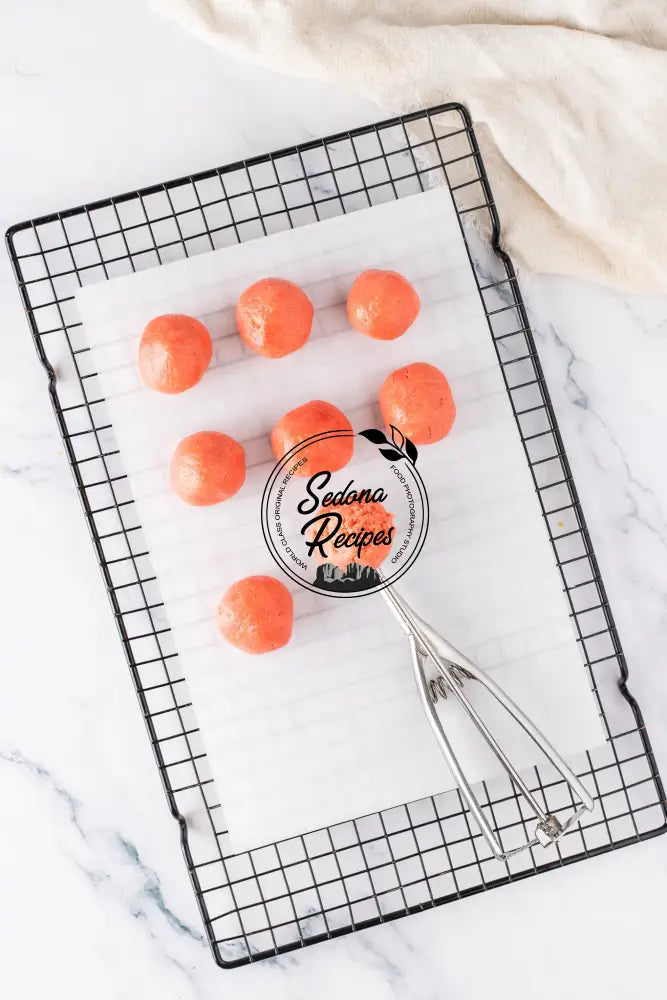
[[454, 668]]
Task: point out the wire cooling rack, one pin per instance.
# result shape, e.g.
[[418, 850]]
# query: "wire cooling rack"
[[415, 856]]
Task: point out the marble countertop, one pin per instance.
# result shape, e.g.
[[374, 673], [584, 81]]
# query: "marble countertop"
[[94, 897]]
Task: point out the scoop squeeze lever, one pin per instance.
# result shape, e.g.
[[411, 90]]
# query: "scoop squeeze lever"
[[454, 671]]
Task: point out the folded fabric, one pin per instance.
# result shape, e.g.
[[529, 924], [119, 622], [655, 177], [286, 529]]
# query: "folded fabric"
[[569, 100]]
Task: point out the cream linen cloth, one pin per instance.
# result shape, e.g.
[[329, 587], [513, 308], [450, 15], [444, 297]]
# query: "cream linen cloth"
[[569, 98]]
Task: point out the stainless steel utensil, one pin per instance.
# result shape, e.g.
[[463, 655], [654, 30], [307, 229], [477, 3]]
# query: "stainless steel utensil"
[[454, 670]]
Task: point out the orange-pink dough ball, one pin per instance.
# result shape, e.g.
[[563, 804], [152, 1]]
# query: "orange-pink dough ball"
[[207, 468], [256, 614], [174, 353], [418, 400], [315, 417], [274, 317], [382, 304]]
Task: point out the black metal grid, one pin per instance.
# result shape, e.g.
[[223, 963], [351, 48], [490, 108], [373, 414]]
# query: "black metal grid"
[[414, 856]]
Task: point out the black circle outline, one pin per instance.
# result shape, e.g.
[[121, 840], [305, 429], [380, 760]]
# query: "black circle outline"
[[278, 468]]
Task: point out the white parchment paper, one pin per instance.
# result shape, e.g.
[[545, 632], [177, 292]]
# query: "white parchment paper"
[[330, 727]]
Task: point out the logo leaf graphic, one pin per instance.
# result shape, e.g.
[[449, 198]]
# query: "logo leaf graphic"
[[390, 454], [396, 436], [411, 451], [374, 436]]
